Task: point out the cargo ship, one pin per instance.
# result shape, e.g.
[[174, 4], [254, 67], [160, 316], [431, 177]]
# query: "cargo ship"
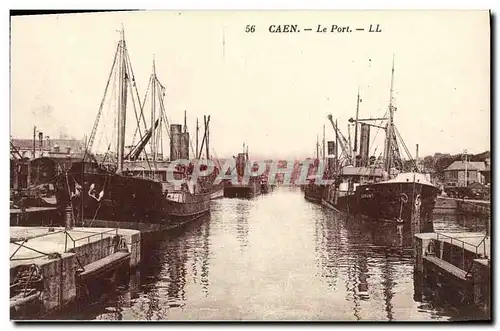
[[246, 187], [380, 189], [117, 188], [315, 189]]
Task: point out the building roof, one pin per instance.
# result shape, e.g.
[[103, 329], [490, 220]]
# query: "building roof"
[[460, 165], [487, 169], [74, 144]]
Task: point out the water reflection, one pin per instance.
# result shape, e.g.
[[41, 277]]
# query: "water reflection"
[[242, 211], [277, 257], [460, 222], [363, 255]]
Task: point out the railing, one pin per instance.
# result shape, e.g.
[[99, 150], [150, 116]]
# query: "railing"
[[67, 235], [463, 243], [101, 234], [21, 245]]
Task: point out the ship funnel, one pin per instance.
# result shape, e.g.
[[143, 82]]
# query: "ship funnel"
[[175, 141], [364, 144]]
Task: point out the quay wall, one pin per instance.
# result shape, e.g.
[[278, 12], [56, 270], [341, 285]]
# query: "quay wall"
[[94, 250], [482, 284], [477, 285], [59, 285], [473, 208], [460, 206]]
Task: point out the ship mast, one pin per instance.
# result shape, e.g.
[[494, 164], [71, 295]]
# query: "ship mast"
[[197, 139], [390, 127], [324, 145], [355, 149], [122, 101], [153, 111], [317, 147]]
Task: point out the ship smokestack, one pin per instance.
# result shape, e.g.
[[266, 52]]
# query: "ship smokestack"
[[364, 144], [331, 156], [40, 139], [175, 141], [184, 148]]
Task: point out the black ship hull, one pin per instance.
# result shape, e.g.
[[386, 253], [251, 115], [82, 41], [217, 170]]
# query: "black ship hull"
[[112, 197], [217, 192], [314, 193], [343, 203], [188, 207], [242, 191], [265, 188], [399, 202]]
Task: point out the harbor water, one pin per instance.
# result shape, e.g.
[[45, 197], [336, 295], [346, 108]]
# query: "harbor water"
[[279, 257]]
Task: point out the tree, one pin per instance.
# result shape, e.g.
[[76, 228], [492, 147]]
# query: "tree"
[[441, 164], [428, 164]]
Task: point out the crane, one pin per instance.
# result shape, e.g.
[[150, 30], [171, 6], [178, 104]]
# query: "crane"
[[344, 145]]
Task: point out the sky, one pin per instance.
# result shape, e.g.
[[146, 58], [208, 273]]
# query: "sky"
[[271, 91]]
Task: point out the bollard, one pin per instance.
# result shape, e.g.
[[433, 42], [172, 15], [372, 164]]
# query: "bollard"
[[69, 218]]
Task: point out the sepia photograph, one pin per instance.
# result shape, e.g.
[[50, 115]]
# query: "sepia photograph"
[[250, 165]]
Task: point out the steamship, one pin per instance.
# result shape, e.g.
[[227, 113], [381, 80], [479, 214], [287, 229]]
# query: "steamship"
[[378, 189], [313, 190], [247, 186], [123, 188]]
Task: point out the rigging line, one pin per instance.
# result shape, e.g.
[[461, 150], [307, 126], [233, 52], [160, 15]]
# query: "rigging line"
[[162, 107], [165, 119], [104, 133], [127, 67], [70, 199], [114, 132], [96, 123], [153, 122], [216, 158], [161, 85], [163, 113], [105, 155], [405, 147], [397, 148], [142, 111], [161, 139], [157, 143], [405, 150], [99, 202], [110, 106], [378, 130], [192, 148], [137, 92]]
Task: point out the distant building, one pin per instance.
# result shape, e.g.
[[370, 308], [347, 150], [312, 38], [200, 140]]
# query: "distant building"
[[454, 175], [47, 147], [487, 172]]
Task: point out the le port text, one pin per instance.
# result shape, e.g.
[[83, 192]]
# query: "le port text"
[[319, 28]]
